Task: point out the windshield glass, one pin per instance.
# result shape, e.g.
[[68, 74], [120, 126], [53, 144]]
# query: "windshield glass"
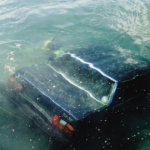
[[86, 78]]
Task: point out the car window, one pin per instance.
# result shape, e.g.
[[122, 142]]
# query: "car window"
[[85, 77]]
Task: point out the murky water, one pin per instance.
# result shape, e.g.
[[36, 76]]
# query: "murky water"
[[26, 25]]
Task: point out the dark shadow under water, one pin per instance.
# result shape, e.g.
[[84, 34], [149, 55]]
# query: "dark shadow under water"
[[127, 128]]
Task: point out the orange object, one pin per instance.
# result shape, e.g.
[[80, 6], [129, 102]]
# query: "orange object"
[[70, 127], [68, 132], [55, 120], [14, 84], [57, 117], [12, 81], [63, 125], [18, 88], [60, 126]]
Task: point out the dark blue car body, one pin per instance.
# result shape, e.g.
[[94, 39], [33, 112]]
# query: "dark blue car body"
[[82, 84]]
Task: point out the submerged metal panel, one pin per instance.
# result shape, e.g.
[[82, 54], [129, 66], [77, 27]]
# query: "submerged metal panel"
[[59, 91]]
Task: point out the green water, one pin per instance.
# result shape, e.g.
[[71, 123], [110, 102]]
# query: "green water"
[[26, 25]]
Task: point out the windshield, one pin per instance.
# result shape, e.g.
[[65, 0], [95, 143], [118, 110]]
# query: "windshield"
[[86, 78]]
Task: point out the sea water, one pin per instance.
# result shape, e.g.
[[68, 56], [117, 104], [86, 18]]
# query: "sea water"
[[26, 25]]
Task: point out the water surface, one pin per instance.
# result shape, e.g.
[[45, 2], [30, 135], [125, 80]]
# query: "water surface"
[[26, 25]]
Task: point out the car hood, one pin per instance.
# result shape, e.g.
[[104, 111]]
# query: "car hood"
[[59, 91]]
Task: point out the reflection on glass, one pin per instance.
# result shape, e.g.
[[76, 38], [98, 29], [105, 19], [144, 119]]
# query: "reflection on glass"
[[86, 78]]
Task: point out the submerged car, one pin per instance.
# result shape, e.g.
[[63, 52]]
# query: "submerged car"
[[74, 90]]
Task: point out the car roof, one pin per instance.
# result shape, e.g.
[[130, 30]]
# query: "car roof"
[[119, 65]]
